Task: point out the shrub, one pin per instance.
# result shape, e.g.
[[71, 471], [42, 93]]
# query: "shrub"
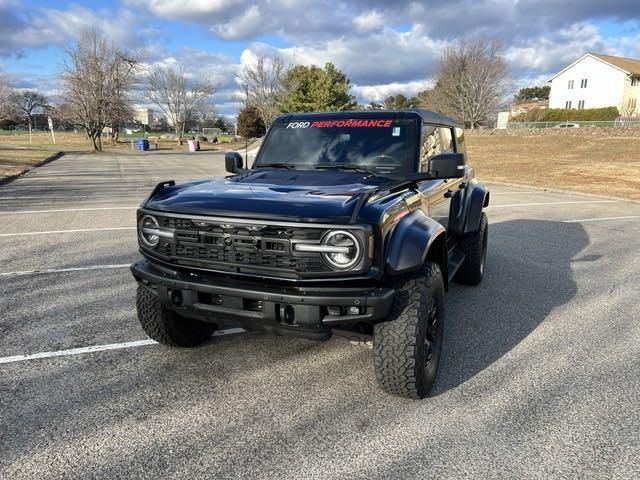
[[562, 115]]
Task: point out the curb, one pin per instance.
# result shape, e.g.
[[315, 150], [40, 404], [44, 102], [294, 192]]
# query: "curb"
[[559, 190], [50, 158]]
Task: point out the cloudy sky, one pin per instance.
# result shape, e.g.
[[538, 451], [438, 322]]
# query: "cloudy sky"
[[385, 47]]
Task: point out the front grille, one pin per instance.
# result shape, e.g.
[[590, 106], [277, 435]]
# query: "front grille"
[[244, 248]]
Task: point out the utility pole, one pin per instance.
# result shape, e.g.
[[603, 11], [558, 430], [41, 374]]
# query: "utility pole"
[[246, 140]]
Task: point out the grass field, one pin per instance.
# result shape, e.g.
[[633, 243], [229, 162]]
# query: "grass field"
[[600, 161], [77, 141], [15, 160]]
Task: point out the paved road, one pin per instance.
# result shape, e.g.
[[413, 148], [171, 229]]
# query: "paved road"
[[540, 375]]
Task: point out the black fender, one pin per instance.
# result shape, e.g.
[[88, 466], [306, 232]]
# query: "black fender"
[[476, 199], [413, 239]]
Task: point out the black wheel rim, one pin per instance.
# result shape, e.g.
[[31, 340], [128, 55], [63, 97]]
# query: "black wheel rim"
[[431, 343]]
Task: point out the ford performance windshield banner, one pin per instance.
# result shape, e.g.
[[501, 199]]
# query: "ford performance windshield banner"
[[351, 123]]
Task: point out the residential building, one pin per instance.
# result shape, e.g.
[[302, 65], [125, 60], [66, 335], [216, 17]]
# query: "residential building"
[[523, 107], [595, 81], [144, 116]]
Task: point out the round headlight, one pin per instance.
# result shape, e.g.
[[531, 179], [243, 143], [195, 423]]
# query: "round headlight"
[[347, 249], [147, 226]]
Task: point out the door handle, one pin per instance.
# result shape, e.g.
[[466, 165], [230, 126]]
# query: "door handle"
[[448, 194]]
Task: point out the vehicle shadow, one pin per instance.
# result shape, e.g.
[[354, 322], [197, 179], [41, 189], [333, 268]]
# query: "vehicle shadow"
[[528, 275]]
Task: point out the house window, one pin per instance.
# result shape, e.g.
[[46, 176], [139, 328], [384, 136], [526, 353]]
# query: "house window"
[[583, 83], [580, 104], [570, 85], [635, 81], [567, 105], [632, 103]]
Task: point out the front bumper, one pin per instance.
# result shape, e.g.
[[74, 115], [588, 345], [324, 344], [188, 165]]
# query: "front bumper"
[[299, 311]]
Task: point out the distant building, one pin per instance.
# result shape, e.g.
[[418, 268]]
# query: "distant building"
[[524, 107], [596, 81], [144, 116]]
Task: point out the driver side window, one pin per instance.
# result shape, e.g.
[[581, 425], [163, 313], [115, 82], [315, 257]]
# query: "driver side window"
[[435, 140]]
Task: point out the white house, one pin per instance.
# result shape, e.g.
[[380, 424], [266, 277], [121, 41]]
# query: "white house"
[[144, 116], [595, 81]]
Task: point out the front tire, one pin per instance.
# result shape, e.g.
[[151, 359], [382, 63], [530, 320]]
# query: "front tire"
[[167, 327], [474, 246], [407, 347]]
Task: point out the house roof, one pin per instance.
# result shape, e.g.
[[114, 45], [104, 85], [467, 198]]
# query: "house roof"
[[630, 65]]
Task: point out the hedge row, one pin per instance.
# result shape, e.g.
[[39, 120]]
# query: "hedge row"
[[561, 115]]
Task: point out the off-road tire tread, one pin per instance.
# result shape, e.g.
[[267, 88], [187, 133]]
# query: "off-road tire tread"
[[470, 272], [166, 327], [395, 356]]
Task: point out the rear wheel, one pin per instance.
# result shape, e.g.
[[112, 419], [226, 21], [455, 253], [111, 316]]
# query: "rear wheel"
[[407, 347], [474, 246], [167, 327]]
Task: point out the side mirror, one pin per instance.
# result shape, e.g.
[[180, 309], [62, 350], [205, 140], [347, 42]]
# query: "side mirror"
[[447, 165], [233, 162]]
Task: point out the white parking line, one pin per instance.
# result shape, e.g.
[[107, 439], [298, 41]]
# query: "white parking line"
[[601, 219], [517, 193], [552, 203], [99, 348], [81, 230], [75, 197], [62, 270], [22, 212]]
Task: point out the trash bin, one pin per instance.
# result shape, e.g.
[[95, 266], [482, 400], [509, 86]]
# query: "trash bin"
[[143, 144], [194, 145]]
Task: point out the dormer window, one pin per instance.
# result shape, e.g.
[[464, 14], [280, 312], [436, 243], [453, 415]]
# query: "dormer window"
[[635, 81]]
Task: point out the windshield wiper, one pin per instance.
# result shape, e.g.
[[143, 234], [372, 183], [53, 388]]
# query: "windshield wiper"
[[288, 166], [349, 166]]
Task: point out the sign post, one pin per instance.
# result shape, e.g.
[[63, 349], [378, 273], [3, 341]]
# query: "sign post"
[[53, 137]]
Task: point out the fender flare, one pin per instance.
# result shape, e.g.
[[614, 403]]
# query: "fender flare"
[[410, 242], [477, 198]]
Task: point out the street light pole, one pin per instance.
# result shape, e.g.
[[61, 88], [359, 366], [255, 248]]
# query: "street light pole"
[[246, 140]]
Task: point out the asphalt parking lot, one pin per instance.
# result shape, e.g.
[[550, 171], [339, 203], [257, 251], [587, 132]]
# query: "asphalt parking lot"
[[539, 377]]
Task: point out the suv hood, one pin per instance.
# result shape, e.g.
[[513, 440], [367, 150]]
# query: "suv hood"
[[307, 195]]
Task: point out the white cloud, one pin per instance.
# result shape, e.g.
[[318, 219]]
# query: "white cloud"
[[244, 26], [377, 93], [368, 21], [378, 58]]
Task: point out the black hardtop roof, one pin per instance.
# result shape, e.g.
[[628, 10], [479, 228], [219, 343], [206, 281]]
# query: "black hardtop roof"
[[427, 116]]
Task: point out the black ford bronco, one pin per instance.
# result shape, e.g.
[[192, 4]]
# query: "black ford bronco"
[[351, 223]]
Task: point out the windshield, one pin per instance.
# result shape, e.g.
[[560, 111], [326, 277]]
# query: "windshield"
[[379, 144]]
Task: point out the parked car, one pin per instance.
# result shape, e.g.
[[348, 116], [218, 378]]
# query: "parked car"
[[349, 223], [567, 125]]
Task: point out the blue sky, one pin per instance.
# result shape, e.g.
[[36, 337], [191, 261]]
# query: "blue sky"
[[385, 47]]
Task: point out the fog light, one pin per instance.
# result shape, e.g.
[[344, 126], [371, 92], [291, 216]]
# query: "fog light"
[[354, 310], [176, 298], [335, 311]]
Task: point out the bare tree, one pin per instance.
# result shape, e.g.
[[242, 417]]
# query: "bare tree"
[[29, 102], [629, 109], [472, 80], [180, 99], [123, 79], [96, 78], [263, 83], [206, 114], [6, 103], [433, 99]]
